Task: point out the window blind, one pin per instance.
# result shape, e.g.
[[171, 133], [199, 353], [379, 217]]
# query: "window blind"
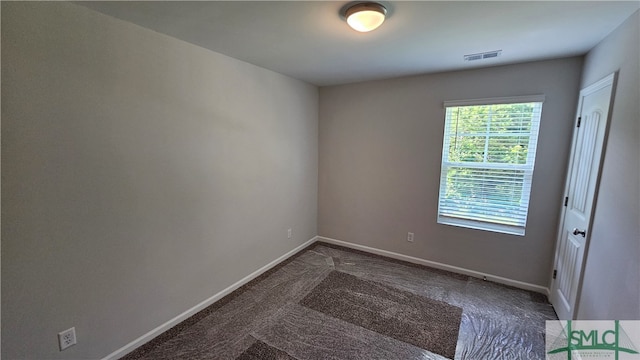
[[488, 158]]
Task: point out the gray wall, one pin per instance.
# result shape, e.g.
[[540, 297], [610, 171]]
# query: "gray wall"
[[380, 152], [611, 287], [140, 176]]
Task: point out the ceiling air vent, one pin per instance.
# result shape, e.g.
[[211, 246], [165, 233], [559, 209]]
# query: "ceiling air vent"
[[484, 55]]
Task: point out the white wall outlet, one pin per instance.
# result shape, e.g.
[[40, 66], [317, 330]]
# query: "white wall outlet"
[[289, 234], [67, 338], [410, 237]]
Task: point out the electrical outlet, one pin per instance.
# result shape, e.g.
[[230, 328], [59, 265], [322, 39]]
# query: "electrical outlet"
[[289, 234], [410, 237], [67, 338]]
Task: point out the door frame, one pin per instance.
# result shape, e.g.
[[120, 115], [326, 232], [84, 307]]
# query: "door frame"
[[612, 80]]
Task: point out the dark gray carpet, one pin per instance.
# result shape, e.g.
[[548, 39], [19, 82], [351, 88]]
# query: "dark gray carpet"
[[429, 324], [498, 322], [262, 351]]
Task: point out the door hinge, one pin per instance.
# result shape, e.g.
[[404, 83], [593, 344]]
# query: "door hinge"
[[555, 273], [566, 200], [579, 121]]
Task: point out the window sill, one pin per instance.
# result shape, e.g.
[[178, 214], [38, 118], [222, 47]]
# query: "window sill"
[[478, 225]]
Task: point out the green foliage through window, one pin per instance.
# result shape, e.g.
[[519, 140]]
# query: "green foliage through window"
[[488, 157], [490, 133]]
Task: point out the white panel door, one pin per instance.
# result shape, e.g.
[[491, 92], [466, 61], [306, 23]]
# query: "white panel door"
[[580, 191]]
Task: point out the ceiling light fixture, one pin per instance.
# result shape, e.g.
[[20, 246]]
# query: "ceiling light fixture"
[[365, 17]]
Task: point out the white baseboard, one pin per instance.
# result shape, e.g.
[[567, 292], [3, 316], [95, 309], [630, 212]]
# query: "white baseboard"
[[185, 315], [437, 265]]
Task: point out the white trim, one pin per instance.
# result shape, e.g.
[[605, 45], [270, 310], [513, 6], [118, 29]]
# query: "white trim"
[[437, 265], [497, 100], [600, 84], [185, 315], [481, 225]]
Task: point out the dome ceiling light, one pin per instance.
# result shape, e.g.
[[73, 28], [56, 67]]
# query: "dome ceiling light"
[[364, 17]]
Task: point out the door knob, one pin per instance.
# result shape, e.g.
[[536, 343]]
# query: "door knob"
[[578, 232]]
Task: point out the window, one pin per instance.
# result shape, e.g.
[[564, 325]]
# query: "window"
[[488, 154]]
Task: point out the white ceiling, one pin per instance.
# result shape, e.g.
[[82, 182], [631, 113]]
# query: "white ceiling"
[[308, 40]]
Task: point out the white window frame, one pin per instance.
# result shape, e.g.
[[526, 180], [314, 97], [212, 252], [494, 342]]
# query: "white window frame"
[[494, 225]]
